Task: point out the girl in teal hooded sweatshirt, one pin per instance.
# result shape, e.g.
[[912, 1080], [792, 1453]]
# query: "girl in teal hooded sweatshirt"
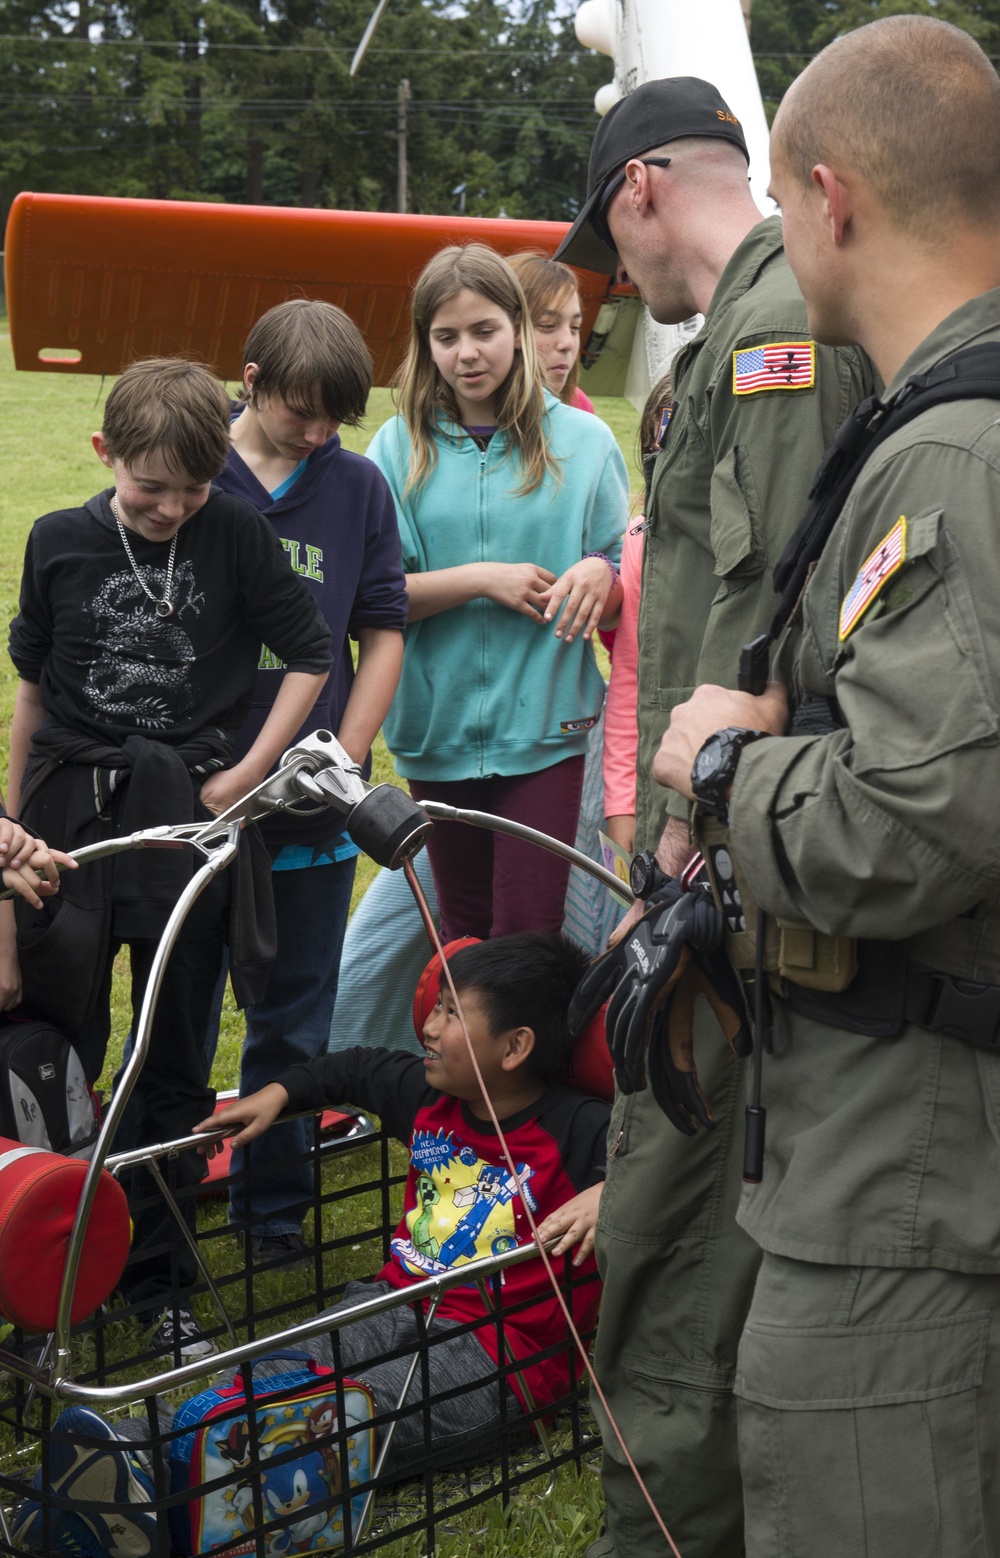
[[511, 512]]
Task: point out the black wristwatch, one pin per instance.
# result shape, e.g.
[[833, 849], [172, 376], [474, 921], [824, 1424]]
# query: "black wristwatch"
[[644, 875], [714, 768]]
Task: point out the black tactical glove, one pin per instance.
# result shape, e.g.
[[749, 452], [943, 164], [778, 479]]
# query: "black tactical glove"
[[619, 963], [670, 1064], [653, 976]]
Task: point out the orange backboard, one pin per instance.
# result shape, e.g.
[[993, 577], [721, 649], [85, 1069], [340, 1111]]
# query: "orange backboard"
[[94, 283]]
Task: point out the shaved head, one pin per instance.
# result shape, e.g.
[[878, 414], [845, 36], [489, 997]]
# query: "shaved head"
[[704, 155], [664, 221], [913, 106]]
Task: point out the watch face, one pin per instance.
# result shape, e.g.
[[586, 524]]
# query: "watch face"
[[708, 759], [640, 873], [714, 767], [637, 875]]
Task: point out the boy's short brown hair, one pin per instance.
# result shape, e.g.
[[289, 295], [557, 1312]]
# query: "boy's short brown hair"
[[306, 345], [172, 405]]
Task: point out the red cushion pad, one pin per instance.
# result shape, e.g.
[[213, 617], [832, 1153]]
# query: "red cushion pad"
[[39, 1194], [590, 1068], [426, 994]]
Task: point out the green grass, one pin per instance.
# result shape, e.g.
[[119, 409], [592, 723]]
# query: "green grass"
[[45, 425]]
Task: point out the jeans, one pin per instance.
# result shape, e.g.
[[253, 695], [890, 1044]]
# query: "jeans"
[[385, 952], [591, 912], [292, 1024]]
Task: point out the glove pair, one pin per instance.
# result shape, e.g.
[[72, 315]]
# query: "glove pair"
[[653, 976]]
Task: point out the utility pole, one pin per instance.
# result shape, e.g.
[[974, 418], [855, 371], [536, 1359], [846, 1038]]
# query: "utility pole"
[[402, 103]]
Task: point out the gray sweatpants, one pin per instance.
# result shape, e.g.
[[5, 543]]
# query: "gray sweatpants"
[[458, 1428]]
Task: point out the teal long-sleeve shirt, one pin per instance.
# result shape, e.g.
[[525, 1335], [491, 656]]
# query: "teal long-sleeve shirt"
[[485, 690]]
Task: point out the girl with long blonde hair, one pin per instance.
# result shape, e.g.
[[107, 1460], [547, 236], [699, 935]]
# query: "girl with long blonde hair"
[[511, 507]]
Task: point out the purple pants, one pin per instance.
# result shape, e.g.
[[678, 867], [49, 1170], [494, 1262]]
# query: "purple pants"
[[491, 885]]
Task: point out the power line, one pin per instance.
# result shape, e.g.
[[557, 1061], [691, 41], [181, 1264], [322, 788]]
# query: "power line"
[[583, 115], [275, 48]]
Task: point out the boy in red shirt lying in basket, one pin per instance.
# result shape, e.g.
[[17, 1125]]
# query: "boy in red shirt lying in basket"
[[460, 1201]]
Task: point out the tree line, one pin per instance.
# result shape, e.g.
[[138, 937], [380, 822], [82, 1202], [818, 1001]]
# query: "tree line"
[[251, 100]]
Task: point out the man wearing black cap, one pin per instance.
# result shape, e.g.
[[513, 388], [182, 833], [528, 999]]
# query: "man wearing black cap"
[[755, 404]]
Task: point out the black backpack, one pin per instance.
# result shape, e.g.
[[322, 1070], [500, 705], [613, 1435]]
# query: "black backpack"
[[44, 1097]]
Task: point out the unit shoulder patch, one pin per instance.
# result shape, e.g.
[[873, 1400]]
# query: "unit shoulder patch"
[[774, 365], [887, 559]]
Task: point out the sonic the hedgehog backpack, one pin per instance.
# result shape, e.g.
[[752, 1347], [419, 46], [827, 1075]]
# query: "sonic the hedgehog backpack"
[[294, 1456]]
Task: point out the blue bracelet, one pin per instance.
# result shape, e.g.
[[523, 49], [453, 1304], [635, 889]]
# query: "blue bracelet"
[[605, 559]]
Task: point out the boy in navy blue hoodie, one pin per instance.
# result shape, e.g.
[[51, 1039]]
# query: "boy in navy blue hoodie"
[[307, 371]]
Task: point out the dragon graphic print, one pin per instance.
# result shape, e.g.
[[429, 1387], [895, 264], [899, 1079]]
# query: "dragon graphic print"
[[144, 673]]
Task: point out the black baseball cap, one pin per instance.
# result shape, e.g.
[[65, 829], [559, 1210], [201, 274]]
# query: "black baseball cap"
[[652, 115]]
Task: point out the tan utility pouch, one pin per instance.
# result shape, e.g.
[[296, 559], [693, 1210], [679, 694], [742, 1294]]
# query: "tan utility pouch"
[[793, 950], [810, 958]]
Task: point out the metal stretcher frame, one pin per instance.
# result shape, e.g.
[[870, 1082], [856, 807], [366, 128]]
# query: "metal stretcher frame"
[[509, 1467], [316, 772]]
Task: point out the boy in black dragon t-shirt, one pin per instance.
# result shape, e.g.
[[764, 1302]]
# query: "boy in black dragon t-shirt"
[[461, 1202], [136, 642]]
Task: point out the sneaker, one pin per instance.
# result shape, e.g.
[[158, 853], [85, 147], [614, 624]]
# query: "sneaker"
[[99, 1470], [288, 1249], [177, 1332]]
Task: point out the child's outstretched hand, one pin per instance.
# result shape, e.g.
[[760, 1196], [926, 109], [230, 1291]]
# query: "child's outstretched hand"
[[255, 1113], [576, 1222], [22, 858]]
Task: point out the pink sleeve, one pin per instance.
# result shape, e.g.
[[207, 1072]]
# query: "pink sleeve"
[[620, 729], [581, 401]]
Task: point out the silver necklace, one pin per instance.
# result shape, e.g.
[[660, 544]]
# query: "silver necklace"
[[163, 604]]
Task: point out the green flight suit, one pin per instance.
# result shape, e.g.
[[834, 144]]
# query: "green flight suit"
[[729, 486], [869, 1370]]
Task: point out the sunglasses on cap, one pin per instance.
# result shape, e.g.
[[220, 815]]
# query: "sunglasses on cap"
[[599, 220]]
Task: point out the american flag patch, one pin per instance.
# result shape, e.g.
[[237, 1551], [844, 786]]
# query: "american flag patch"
[[887, 558], [784, 365], [666, 416]]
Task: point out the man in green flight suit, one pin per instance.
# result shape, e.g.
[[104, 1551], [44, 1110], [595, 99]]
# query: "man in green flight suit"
[[869, 1369], [755, 405]]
